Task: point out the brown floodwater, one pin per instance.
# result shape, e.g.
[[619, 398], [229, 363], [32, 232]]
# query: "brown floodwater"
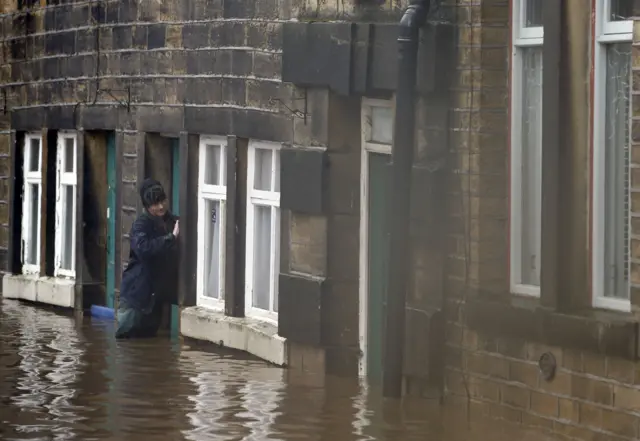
[[66, 378]]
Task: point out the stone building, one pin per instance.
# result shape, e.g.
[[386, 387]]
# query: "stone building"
[[271, 124]]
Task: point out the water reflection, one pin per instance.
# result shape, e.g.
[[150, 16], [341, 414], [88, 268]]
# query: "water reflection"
[[49, 363], [65, 378]]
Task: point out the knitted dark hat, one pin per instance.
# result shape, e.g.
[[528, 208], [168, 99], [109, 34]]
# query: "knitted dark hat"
[[151, 192]]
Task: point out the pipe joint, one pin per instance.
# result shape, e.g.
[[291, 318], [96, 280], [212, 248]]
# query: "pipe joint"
[[414, 17]]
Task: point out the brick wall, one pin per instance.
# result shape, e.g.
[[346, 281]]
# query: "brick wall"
[[478, 178], [593, 396], [590, 396]]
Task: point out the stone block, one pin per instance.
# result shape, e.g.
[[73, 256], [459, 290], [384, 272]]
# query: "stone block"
[[257, 124], [106, 39], [130, 198], [139, 37], [193, 60], [241, 62], [228, 34], [128, 11], [343, 247], [130, 64], [257, 35], [129, 168], [204, 90], [148, 63], [344, 184], [173, 36], [157, 36], [212, 9], [113, 11], [234, 91], [239, 9], [308, 242], [315, 130], [195, 36], [122, 37], [340, 312], [178, 63]]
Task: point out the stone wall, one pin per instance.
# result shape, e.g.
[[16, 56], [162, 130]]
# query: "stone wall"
[[201, 67]]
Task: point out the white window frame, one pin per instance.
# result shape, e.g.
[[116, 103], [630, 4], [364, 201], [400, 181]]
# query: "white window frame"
[[368, 147], [262, 198], [217, 193], [611, 31], [522, 37], [31, 178], [63, 180], [606, 32]]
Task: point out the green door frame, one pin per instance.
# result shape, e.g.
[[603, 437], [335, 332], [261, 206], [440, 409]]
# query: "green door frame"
[[111, 219], [175, 208]]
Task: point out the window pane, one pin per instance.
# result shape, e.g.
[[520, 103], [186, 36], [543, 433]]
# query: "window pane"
[[261, 257], [69, 155], [621, 10], [213, 157], [533, 13], [34, 160], [276, 187], [276, 263], [212, 278], [617, 170], [34, 230], [382, 125], [67, 222], [531, 164], [262, 175]]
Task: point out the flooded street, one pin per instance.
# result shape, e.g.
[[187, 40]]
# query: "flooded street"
[[67, 379]]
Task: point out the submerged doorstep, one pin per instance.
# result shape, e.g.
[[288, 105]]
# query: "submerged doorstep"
[[246, 334], [47, 290]]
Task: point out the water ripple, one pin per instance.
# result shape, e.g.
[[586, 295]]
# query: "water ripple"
[[65, 378]]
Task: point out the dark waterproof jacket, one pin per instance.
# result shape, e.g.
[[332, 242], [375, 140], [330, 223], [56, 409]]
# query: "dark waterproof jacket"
[[152, 265]]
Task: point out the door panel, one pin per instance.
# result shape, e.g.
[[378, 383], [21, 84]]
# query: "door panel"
[[378, 180]]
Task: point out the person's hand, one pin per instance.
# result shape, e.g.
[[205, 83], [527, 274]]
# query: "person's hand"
[[176, 229]]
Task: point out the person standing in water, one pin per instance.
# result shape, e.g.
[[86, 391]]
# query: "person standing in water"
[[149, 280]]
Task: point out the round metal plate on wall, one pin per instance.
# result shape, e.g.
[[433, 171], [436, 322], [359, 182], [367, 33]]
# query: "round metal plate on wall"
[[547, 365]]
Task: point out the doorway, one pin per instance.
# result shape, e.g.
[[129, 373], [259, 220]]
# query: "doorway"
[[99, 218], [162, 162], [374, 238], [376, 261], [111, 220]]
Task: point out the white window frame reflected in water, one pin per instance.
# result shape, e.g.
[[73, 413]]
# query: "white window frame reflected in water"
[[209, 193], [65, 266], [50, 352], [266, 198], [526, 150], [32, 182], [611, 170]]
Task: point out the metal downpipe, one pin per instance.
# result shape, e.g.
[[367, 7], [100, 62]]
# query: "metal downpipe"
[[399, 197]]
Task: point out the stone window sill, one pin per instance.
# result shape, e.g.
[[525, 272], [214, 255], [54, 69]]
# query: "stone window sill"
[[39, 289], [603, 332], [250, 335]]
